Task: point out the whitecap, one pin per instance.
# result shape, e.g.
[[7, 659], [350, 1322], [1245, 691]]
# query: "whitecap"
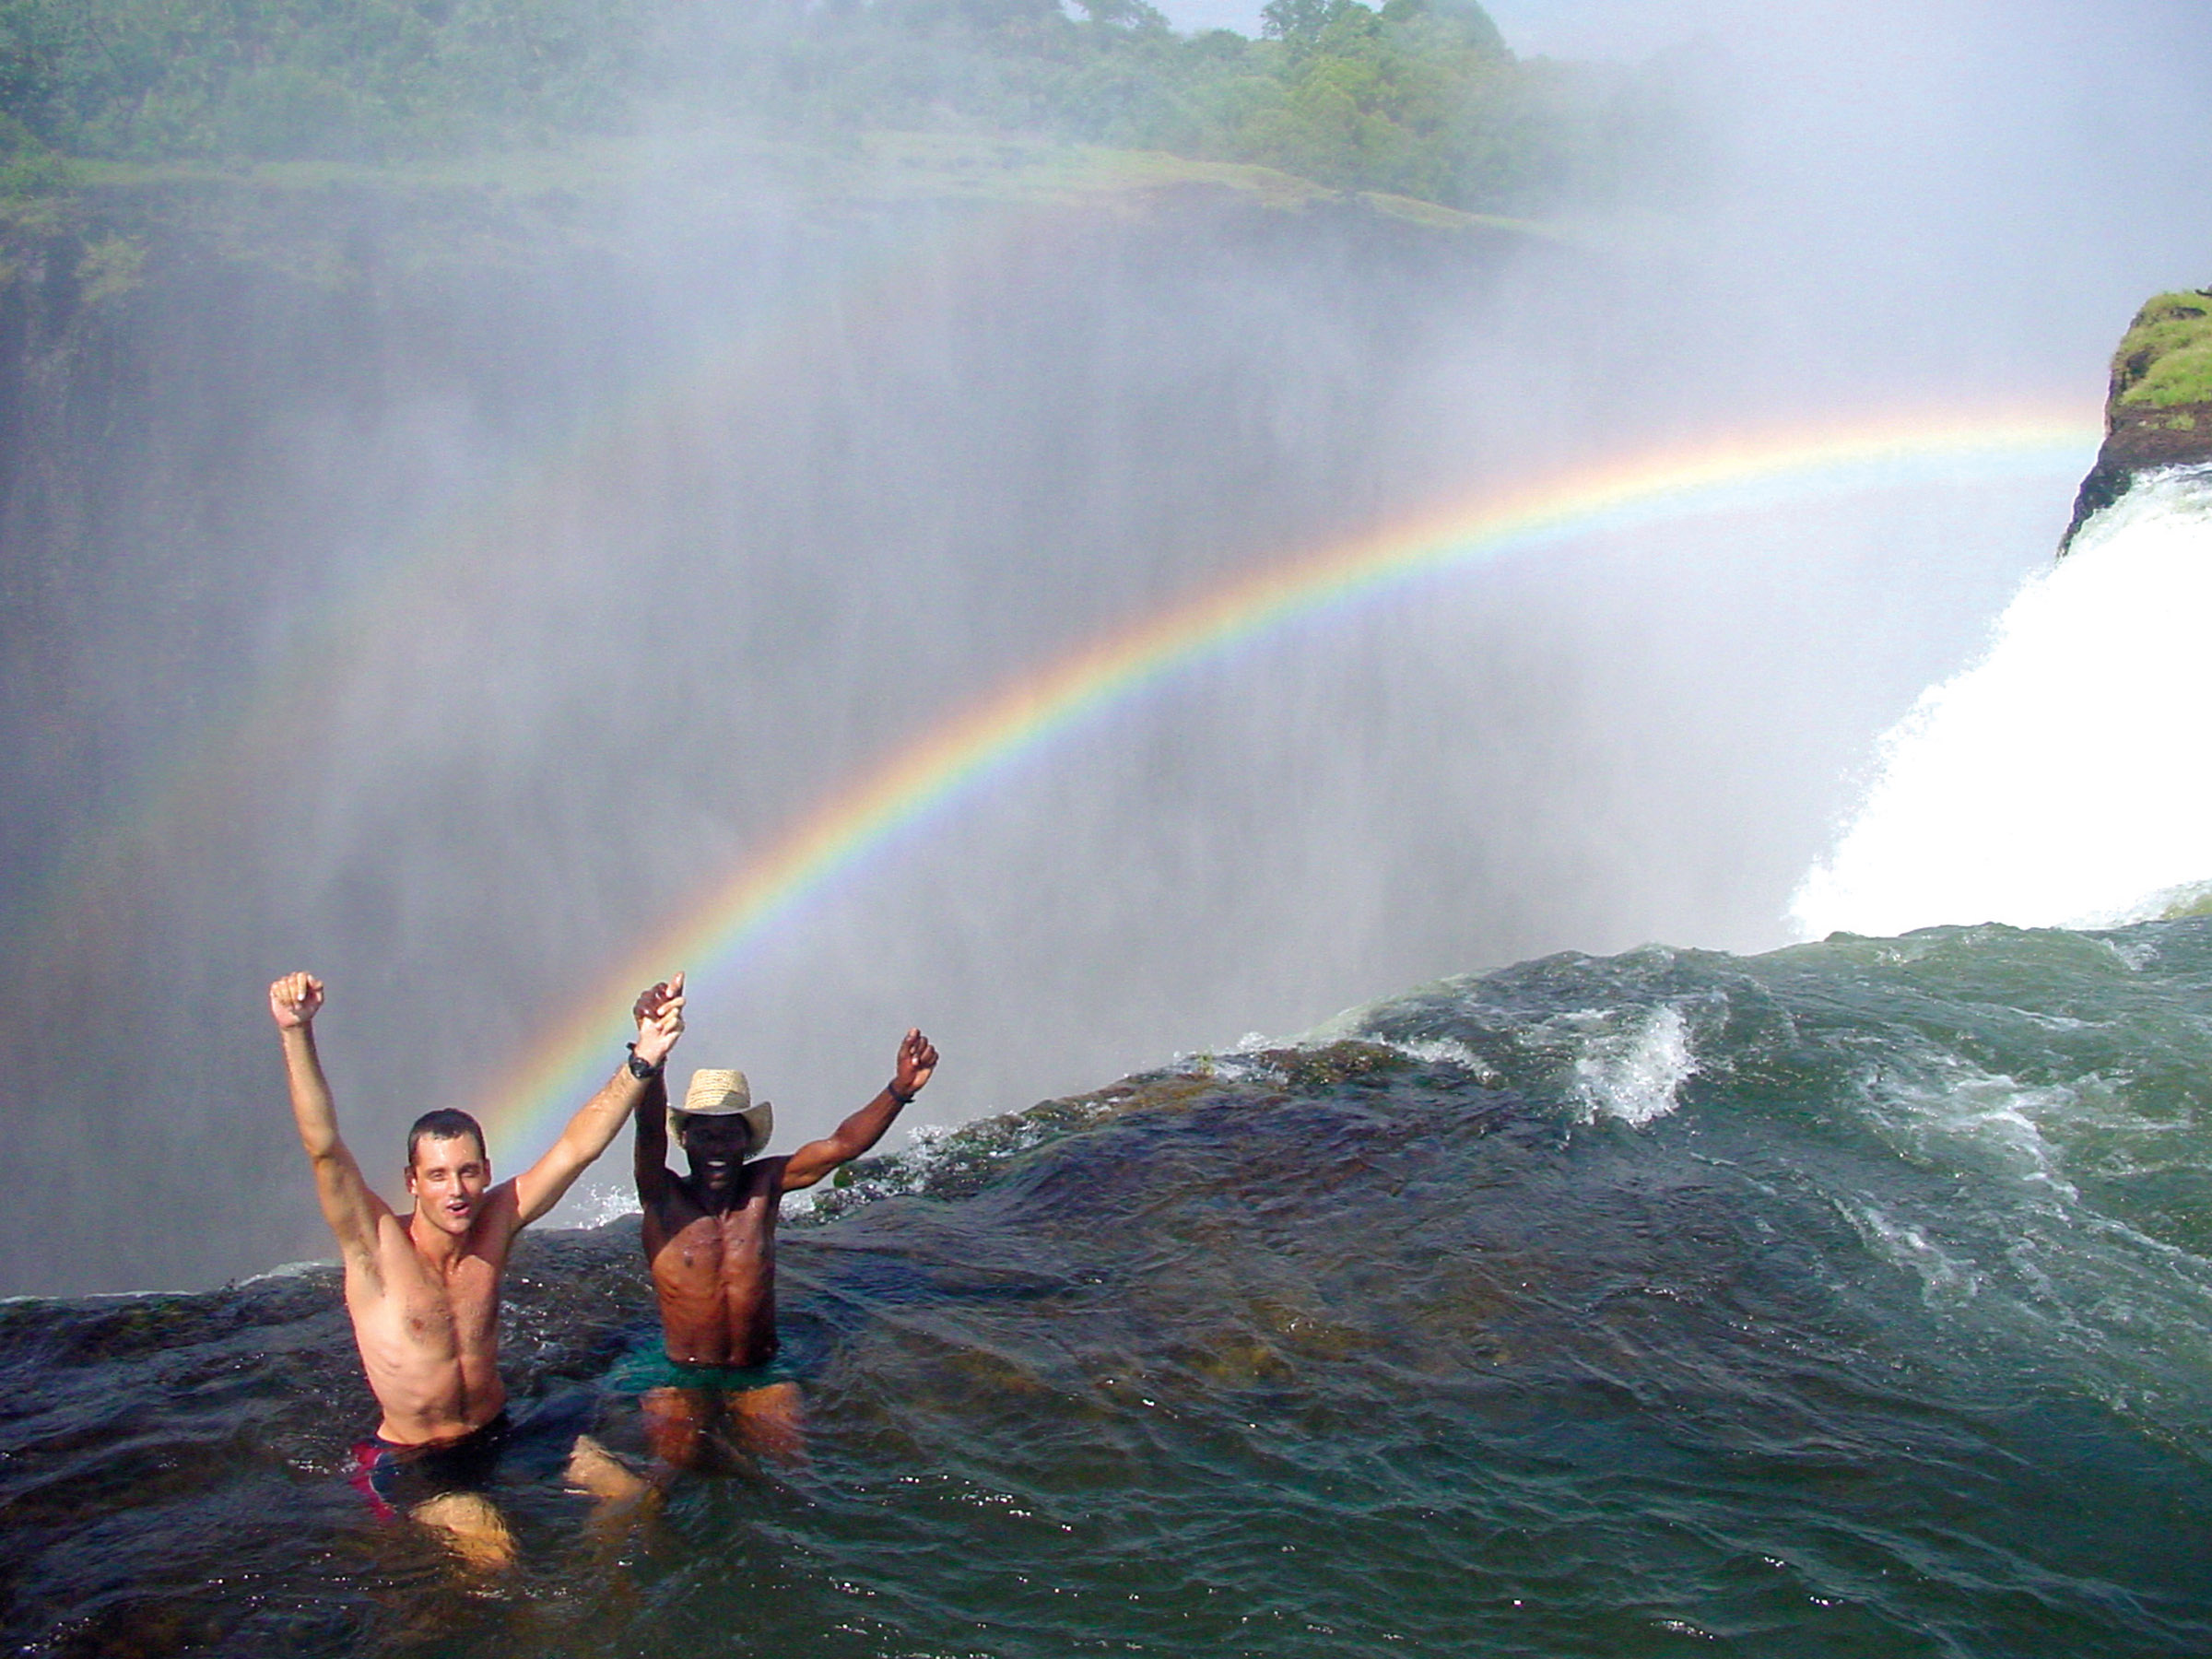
[[1636, 1075]]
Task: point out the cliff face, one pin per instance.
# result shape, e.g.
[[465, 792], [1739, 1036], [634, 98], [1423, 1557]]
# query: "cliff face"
[[306, 476], [2159, 412]]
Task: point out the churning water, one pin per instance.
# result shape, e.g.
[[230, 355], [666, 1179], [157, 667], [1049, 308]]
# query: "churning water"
[[2057, 780], [1844, 1300]]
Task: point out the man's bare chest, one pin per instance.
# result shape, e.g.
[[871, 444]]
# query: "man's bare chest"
[[709, 1244], [433, 1306]]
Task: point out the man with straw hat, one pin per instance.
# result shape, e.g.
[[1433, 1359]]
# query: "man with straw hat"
[[711, 1238]]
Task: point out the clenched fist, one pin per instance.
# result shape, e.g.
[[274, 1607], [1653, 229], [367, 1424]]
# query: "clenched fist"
[[294, 1000]]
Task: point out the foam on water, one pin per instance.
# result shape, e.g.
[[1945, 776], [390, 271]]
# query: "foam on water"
[[1943, 1278], [1967, 1118], [1841, 1301], [1446, 1050], [1636, 1074], [2057, 781], [598, 1204]]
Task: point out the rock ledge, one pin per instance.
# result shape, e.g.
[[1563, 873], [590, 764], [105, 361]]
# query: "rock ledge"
[[2159, 412]]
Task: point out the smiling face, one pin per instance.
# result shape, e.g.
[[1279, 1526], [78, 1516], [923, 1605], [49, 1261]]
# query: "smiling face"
[[717, 1145], [447, 1178]]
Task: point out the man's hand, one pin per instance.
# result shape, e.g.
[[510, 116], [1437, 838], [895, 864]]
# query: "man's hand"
[[917, 1060], [660, 1016], [858, 1133], [293, 1001]]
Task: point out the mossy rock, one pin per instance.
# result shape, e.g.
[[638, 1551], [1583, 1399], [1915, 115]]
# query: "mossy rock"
[[1348, 1061], [2159, 412], [2165, 358], [2192, 899]]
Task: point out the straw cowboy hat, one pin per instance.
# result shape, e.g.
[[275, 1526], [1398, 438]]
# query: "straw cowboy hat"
[[723, 1094]]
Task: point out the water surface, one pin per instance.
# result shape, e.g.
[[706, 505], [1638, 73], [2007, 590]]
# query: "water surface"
[[1842, 1300]]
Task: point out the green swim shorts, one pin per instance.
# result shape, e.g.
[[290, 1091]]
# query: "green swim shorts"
[[647, 1366]]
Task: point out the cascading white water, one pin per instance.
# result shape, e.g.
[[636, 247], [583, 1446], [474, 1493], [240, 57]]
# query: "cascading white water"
[[2062, 779]]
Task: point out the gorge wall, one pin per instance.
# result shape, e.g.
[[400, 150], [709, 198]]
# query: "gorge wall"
[[434, 584]]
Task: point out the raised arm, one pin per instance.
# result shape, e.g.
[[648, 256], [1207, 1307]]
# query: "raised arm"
[[917, 1060], [660, 1013], [349, 1205], [651, 1154]]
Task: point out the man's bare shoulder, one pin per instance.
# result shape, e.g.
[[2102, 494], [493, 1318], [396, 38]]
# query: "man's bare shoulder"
[[499, 1220], [764, 1187], [391, 1251], [675, 1204]]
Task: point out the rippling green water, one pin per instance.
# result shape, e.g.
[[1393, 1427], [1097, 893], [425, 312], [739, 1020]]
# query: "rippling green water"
[[1845, 1300]]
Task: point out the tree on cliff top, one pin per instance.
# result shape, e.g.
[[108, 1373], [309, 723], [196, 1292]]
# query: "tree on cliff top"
[[1420, 97]]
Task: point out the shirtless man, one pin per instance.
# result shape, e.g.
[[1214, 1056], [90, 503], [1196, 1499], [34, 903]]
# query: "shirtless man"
[[711, 1238], [423, 1288]]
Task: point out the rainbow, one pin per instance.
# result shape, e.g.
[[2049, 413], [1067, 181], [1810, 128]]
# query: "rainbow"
[[189, 795], [838, 836]]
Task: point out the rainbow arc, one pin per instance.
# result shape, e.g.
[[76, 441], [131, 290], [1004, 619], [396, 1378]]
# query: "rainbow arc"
[[841, 834]]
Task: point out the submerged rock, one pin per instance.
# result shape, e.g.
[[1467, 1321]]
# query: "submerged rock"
[[2159, 412]]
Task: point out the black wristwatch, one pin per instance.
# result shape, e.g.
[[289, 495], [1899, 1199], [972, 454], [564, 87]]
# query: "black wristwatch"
[[639, 1070]]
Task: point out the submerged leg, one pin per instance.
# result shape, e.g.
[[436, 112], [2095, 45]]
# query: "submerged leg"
[[769, 1422], [469, 1524], [596, 1470], [621, 1497], [676, 1424]]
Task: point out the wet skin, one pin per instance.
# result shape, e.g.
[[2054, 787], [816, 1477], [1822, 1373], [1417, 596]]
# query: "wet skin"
[[712, 1243], [423, 1288], [710, 1238], [426, 1313]]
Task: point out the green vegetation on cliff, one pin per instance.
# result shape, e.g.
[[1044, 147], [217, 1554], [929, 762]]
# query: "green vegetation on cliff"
[[1419, 98], [2165, 358], [2158, 413]]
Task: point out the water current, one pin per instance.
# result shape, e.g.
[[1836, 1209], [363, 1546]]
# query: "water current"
[[1847, 1300]]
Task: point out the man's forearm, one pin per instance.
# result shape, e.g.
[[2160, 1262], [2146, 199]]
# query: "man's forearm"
[[311, 1107], [592, 1129], [600, 1119], [858, 1133], [589, 1134], [651, 1161]]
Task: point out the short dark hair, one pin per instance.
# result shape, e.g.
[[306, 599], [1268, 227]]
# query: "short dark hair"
[[445, 1123]]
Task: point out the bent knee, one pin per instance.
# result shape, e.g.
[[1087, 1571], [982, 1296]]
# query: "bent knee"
[[471, 1526]]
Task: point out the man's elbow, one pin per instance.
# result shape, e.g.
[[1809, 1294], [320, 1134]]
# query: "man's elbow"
[[843, 1148]]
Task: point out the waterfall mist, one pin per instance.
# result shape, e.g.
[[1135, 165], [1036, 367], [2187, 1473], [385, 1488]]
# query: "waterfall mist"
[[446, 622], [2048, 785]]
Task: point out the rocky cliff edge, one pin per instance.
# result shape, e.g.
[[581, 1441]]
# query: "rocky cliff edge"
[[2159, 412]]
